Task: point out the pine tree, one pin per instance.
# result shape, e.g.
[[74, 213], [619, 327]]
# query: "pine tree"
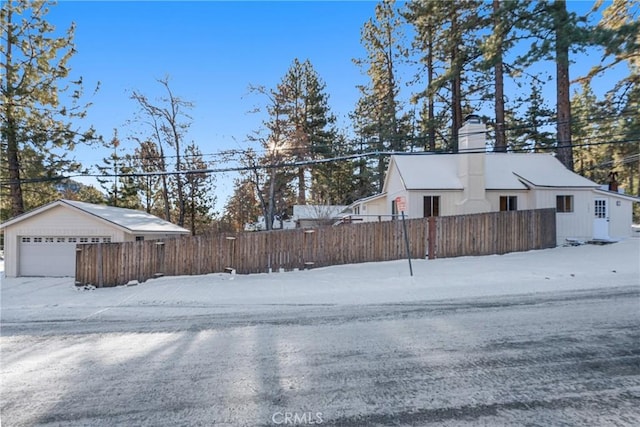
[[624, 137], [618, 34], [269, 173], [36, 113], [557, 33], [306, 118], [120, 186], [378, 117], [495, 48], [335, 182], [150, 162], [199, 188], [588, 130], [531, 132], [426, 28], [243, 206], [447, 34]]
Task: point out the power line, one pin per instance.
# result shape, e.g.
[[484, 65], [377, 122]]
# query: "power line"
[[296, 163]]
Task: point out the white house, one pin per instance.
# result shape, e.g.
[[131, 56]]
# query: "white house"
[[309, 216], [42, 242], [304, 216], [475, 181]]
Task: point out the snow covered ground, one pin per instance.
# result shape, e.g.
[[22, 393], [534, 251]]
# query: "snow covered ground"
[[541, 337]]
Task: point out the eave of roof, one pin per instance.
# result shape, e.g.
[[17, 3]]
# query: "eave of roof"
[[368, 199], [122, 213], [633, 199]]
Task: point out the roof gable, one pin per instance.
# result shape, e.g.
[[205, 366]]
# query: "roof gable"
[[129, 220], [425, 171]]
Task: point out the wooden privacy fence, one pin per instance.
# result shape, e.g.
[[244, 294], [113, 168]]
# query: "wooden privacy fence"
[[112, 264]]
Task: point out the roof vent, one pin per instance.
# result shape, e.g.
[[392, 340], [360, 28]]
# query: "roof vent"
[[472, 119]]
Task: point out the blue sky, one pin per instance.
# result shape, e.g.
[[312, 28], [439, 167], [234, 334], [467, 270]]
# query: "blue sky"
[[212, 51]]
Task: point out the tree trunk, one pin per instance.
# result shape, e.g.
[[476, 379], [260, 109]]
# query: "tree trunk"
[[181, 201], [564, 146], [15, 185], [271, 207], [456, 86], [165, 190], [431, 96], [501, 142], [302, 187], [193, 213]]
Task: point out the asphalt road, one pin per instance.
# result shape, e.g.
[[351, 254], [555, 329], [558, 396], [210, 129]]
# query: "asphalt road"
[[563, 358]]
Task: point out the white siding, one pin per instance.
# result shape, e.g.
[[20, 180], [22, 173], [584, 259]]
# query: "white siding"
[[449, 202], [394, 186], [370, 209], [61, 221], [575, 225]]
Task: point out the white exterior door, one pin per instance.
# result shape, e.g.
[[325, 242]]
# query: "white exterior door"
[[600, 219]]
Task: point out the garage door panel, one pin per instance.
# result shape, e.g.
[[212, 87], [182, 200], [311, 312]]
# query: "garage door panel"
[[50, 256]]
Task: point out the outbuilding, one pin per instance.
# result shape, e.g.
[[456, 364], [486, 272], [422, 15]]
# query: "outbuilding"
[[43, 242]]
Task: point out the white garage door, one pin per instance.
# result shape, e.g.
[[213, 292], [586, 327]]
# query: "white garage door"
[[50, 256]]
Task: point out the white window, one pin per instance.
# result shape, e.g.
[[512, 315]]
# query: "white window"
[[72, 239], [84, 240], [60, 239], [37, 239], [26, 239], [106, 240], [95, 240], [48, 239]]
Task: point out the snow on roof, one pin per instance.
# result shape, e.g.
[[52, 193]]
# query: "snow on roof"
[[317, 211], [617, 194], [541, 170], [134, 220], [368, 199], [421, 171], [503, 171]]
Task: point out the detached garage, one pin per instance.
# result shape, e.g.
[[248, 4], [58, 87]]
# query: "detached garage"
[[43, 242]]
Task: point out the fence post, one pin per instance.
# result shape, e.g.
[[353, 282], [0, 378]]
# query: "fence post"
[[80, 278], [100, 274]]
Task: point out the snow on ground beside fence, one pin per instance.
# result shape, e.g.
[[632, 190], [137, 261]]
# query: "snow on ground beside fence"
[[561, 268]]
